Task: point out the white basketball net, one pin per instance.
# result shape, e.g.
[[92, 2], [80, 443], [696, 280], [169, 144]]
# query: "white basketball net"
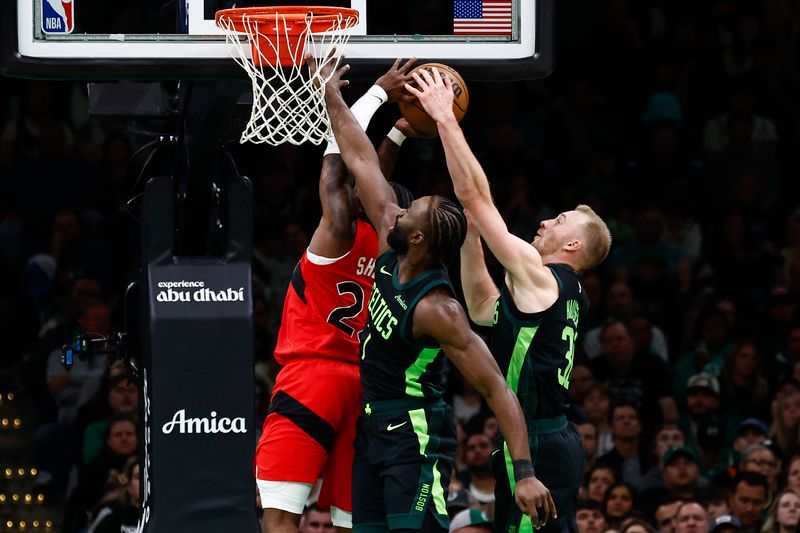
[[288, 105]]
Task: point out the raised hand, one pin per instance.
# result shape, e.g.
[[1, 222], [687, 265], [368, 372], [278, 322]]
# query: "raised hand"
[[395, 79], [332, 80], [435, 93], [535, 500]]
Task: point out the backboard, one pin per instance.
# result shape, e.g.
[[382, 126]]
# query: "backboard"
[[177, 39]]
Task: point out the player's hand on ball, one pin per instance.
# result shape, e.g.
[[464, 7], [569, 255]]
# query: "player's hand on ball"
[[394, 81], [535, 500], [435, 93], [408, 130]]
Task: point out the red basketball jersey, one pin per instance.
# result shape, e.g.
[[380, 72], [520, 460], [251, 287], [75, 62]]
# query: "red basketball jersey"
[[326, 304]]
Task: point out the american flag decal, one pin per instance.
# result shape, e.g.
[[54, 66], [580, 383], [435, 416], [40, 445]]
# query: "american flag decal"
[[482, 17]]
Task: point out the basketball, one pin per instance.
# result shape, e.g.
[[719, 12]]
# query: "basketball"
[[417, 117]]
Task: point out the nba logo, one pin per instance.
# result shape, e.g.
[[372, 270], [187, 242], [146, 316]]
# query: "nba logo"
[[58, 16]]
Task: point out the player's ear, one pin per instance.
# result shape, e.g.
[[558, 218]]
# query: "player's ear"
[[417, 238], [573, 245]]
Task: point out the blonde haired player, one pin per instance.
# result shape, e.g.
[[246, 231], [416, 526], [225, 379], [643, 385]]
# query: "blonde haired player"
[[534, 317]]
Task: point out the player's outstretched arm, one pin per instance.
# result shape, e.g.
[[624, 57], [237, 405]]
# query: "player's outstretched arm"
[[471, 185], [336, 231], [480, 292], [376, 195], [440, 316]]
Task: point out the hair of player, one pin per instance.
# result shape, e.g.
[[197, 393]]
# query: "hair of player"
[[597, 238], [448, 228], [403, 195]]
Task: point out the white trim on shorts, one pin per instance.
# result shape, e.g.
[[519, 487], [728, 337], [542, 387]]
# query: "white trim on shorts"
[[341, 518], [287, 496]]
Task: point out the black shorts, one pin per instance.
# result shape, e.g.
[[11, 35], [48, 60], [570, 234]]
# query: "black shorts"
[[403, 462], [558, 459]]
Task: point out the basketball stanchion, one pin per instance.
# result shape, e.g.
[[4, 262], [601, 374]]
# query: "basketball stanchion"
[[288, 103]]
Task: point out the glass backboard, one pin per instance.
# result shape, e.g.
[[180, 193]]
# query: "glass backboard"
[[177, 39]]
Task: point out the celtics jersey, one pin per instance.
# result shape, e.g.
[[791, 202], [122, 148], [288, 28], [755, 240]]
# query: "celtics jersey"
[[394, 365], [535, 350]]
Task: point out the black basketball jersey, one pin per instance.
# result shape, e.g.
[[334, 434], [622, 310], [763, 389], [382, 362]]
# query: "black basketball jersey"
[[535, 350], [394, 365]]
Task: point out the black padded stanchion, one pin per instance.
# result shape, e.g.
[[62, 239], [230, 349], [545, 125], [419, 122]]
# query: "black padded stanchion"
[[197, 380]]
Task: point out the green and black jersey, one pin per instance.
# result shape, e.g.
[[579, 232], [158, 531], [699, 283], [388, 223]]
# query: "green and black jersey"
[[535, 350], [394, 365]]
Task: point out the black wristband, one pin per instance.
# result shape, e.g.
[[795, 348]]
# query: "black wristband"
[[523, 469]]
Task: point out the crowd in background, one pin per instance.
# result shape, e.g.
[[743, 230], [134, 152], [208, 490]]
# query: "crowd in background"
[[677, 121]]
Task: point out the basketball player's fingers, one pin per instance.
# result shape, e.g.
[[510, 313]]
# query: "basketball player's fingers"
[[437, 77], [331, 53], [543, 509], [427, 76], [448, 84], [312, 64], [421, 83], [534, 517], [552, 504], [413, 90], [407, 65]]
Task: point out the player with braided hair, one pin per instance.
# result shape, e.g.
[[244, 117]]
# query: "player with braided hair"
[[406, 441]]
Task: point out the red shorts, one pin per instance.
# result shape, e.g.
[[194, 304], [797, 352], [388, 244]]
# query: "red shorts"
[[311, 428]]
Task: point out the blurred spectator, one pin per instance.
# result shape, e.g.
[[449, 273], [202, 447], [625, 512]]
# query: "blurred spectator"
[[621, 305], [744, 390], [749, 498], [477, 477], [666, 510], [633, 524], [316, 520], [589, 518], [691, 518], [618, 504], [763, 460], [680, 472], [649, 243], [628, 457], [711, 342], [596, 407], [784, 513], [702, 407], [121, 443], [122, 399], [786, 417], [792, 473], [714, 499], [71, 388], [588, 433], [599, 479], [120, 509], [668, 436], [749, 432], [726, 523], [786, 356], [638, 378]]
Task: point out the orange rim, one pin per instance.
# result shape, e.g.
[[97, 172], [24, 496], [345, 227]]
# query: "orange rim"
[[294, 16]]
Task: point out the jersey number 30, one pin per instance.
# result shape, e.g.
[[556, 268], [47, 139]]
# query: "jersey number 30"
[[565, 374], [345, 312]]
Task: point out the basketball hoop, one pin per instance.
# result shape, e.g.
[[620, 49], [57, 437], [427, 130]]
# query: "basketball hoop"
[[288, 106]]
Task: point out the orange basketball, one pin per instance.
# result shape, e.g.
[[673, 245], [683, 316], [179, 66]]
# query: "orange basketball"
[[420, 120]]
